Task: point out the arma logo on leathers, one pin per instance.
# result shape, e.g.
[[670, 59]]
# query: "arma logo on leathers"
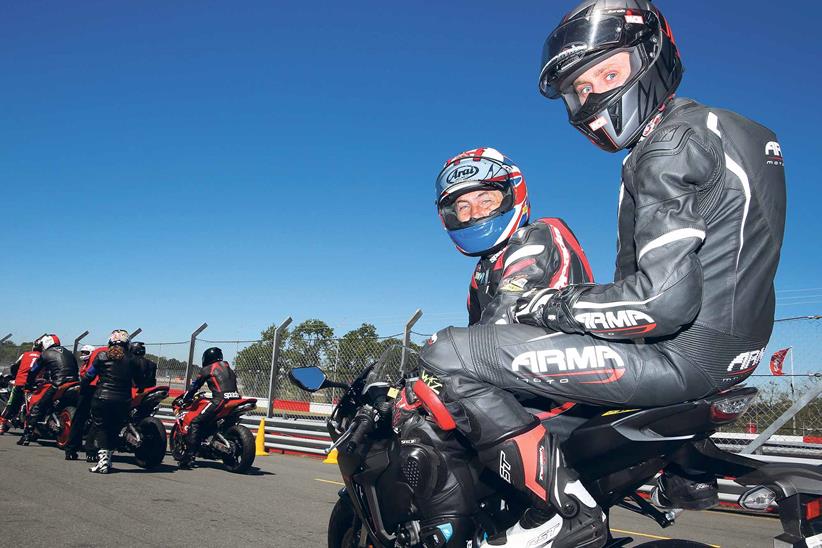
[[619, 321], [556, 360]]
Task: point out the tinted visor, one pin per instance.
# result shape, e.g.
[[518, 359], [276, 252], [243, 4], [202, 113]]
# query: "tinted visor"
[[448, 205], [574, 41]]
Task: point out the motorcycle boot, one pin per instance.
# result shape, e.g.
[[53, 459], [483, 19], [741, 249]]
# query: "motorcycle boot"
[[103, 465], [27, 436], [689, 491], [563, 513], [71, 454]]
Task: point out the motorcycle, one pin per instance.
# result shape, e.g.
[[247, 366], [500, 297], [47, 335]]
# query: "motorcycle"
[[390, 481], [224, 439], [143, 434], [6, 385], [57, 424]]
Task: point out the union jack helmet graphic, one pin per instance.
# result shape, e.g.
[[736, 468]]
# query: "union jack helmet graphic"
[[482, 169]]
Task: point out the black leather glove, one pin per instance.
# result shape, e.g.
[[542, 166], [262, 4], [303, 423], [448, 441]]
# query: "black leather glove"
[[550, 308]]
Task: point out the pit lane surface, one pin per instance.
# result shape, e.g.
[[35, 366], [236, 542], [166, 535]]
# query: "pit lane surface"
[[285, 502]]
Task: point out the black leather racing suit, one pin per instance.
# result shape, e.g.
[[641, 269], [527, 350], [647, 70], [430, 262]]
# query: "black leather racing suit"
[[544, 253], [222, 382], [59, 366], [701, 220], [112, 398]]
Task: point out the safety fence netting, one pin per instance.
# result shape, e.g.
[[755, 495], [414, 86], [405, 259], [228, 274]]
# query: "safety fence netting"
[[790, 372]]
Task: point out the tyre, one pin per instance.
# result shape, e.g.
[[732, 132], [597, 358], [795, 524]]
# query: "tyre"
[[243, 448], [65, 417], [177, 443], [153, 447], [343, 525]]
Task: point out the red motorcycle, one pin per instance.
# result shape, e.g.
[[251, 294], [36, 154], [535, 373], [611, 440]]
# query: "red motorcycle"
[[224, 439], [57, 423]]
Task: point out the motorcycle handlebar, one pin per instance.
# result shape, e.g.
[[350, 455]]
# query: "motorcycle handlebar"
[[363, 427]]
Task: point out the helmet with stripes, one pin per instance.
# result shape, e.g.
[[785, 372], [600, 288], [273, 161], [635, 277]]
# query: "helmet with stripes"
[[481, 169]]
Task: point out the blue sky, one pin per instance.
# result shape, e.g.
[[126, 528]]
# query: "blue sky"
[[164, 164]]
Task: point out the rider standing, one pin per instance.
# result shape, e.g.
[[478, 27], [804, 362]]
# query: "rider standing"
[[20, 369], [217, 374], [482, 200], [81, 414], [59, 366], [117, 371], [147, 366], [701, 221]]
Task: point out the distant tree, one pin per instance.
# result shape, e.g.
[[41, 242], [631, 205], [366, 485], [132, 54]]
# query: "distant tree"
[[9, 352]]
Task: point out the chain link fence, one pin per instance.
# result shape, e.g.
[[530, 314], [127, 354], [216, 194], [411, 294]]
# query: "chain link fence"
[[802, 373], [343, 358]]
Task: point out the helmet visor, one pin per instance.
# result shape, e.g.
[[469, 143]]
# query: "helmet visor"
[[574, 41], [590, 88], [451, 207]]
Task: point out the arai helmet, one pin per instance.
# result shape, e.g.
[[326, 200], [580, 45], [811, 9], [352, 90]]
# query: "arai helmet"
[[594, 31], [477, 169]]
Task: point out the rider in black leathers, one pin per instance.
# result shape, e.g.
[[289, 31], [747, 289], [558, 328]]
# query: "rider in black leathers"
[[701, 220], [221, 380], [59, 366], [147, 366], [116, 370]]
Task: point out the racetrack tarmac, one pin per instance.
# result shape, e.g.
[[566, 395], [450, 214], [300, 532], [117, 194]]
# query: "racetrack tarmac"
[[285, 502]]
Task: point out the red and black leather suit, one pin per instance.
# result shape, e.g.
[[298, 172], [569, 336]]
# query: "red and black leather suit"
[[20, 369], [542, 254], [222, 382]]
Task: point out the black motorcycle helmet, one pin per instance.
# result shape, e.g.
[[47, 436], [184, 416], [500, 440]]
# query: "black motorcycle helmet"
[[212, 355], [594, 31], [138, 348]]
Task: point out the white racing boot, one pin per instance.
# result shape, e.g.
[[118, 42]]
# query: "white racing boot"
[[565, 515], [103, 465]]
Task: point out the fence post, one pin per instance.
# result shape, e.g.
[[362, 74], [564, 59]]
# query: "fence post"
[[191, 352], [78, 339], [4, 339], [275, 364], [406, 339], [809, 396], [137, 332]]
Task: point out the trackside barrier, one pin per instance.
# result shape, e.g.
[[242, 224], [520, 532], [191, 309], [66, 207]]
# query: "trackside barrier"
[[309, 436]]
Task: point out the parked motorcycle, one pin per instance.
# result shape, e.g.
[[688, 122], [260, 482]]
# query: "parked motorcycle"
[[57, 423], [389, 481], [143, 434], [224, 439], [6, 384]]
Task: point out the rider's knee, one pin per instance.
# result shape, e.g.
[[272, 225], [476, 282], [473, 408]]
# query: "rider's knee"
[[440, 354]]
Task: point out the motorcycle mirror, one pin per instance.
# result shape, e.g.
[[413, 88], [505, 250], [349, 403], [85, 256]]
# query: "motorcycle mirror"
[[310, 379]]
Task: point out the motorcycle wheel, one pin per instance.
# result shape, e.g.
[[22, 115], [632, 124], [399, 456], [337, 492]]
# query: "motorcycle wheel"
[[65, 417], [153, 447], [242, 442], [177, 443], [343, 525]]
